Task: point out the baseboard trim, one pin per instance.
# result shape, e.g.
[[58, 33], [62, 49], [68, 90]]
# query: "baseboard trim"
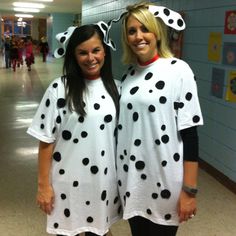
[[223, 179]]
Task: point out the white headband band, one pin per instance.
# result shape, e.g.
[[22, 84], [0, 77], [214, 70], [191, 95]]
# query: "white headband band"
[[63, 38]]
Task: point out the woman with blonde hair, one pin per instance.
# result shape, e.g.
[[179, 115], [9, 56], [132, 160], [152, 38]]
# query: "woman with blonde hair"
[[157, 152]]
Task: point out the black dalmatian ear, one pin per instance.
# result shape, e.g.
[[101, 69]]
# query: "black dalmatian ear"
[[62, 39], [170, 18], [105, 28]]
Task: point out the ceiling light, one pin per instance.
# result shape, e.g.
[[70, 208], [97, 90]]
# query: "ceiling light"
[[28, 5], [24, 15], [26, 9]]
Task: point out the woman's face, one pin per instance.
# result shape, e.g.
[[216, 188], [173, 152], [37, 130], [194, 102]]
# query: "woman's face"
[[90, 56], [142, 42]]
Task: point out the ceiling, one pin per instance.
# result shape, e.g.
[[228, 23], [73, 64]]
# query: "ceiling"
[[57, 6]]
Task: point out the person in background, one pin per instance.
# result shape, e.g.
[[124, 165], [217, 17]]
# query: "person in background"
[[13, 53], [157, 152], [6, 48], [75, 124], [29, 54], [44, 48]]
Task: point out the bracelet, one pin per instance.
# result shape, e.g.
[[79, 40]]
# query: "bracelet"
[[191, 190]]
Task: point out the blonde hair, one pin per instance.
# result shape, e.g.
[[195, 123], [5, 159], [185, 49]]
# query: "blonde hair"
[[155, 25]]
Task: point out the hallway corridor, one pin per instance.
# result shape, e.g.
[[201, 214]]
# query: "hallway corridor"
[[20, 93]]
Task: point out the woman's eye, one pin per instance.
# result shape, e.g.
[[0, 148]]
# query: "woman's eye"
[[144, 29], [131, 31]]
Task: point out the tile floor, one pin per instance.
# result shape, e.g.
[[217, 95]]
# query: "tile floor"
[[20, 93]]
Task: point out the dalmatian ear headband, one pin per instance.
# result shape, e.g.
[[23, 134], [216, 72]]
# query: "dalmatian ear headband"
[[170, 17], [64, 37]]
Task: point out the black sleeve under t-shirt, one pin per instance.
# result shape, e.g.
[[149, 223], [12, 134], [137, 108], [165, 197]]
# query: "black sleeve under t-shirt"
[[190, 144]]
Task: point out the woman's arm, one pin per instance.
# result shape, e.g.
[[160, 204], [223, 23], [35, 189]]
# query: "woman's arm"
[[45, 194], [187, 202]]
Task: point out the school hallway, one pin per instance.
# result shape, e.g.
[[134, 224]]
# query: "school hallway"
[[20, 93]]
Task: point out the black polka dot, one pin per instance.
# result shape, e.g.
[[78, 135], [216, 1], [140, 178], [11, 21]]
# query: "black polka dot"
[[168, 216], [166, 12], [66, 134], [164, 163], [84, 134], [108, 118], [116, 200], [165, 138], [158, 184], [42, 116], [196, 119], [104, 195], [81, 119], [125, 167], [57, 156], [163, 127], [134, 90], [135, 116], [165, 194], [75, 140], [67, 212], [119, 183], [132, 72], [132, 158], [137, 142], [90, 219], [151, 108], [148, 76], [61, 172], [180, 22], [94, 169], [188, 96], [102, 127], [170, 21], [129, 106], [162, 100], [96, 106], [103, 97], [176, 156], [75, 184], [63, 196], [105, 171], [58, 119], [160, 84], [56, 225], [140, 165], [157, 142], [120, 127], [87, 203], [154, 195], [61, 102], [85, 161], [173, 62], [102, 153], [149, 212], [47, 104], [121, 157], [143, 176], [55, 85], [127, 194], [54, 130]]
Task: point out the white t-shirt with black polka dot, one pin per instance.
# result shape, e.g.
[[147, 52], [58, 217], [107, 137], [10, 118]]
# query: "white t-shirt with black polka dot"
[[157, 101], [83, 171]]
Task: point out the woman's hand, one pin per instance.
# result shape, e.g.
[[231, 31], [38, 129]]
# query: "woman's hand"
[[187, 206], [45, 198]]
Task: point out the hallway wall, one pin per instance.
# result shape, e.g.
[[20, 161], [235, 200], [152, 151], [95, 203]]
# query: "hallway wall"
[[218, 135]]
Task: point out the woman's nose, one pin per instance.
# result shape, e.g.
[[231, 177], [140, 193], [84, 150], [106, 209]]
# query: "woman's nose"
[[90, 57]]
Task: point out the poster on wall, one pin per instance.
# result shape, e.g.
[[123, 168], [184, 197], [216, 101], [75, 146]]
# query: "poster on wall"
[[229, 54], [214, 46], [217, 82], [230, 22], [231, 87]]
